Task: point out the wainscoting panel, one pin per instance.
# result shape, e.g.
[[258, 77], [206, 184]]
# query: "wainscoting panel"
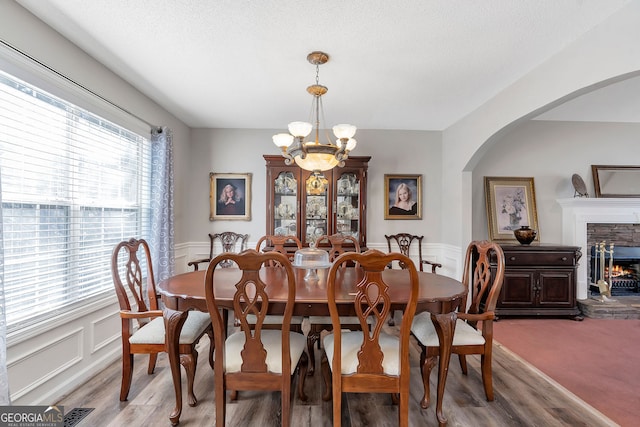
[[105, 330], [56, 354]]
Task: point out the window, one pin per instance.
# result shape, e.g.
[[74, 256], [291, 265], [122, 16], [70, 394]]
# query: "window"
[[73, 186]]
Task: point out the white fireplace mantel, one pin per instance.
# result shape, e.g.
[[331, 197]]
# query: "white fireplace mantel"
[[578, 212]]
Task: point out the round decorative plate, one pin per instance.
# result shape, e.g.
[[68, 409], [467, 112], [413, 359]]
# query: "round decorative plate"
[[578, 185]]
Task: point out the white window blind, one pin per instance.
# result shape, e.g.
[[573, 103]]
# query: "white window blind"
[[73, 186]]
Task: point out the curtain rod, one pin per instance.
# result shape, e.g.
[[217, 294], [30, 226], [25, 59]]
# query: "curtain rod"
[[154, 128]]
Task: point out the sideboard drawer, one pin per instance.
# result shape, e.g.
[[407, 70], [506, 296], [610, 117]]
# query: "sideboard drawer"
[[556, 259]]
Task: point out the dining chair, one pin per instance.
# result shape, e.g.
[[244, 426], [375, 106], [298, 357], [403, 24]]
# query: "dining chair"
[[317, 324], [255, 358], [229, 241], [402, 242], [373, 361], [132, 272], [468, 337], [279, 244]]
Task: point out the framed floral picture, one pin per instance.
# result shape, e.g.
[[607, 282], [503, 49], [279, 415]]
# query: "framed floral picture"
[[511, 204], [403, 197], [230, 196]]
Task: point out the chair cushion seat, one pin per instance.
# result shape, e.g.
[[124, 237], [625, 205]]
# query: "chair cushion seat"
[[154, 333], [351, 343], [424, 331], [272, 341]]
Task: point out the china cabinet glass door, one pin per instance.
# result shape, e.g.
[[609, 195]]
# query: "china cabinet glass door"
[[348, 204], [285, 206], [317, 207]]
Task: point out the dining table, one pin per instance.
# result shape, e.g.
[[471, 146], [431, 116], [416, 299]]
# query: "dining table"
[[440, 295]]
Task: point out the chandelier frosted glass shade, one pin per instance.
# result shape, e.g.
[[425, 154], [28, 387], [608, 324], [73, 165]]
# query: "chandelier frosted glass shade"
[[317, 161], [313, 155], [282, 140], [301, 129], [344, 131]]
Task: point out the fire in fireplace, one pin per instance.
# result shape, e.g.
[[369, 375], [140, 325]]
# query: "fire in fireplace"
[[624, 276]]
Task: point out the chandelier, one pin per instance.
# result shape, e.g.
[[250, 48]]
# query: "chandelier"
[[314, 155]]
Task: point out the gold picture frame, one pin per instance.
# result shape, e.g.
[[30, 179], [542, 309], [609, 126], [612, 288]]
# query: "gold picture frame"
[[511, 204], [229, 196], [411, 187]]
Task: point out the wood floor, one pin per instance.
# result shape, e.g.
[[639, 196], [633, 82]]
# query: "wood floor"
[[523, 397]]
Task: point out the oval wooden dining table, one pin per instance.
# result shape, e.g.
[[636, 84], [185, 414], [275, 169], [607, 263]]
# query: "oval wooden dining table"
[[439, 295]]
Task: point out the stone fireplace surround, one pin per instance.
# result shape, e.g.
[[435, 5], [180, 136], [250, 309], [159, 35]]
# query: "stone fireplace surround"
[[578, 212]]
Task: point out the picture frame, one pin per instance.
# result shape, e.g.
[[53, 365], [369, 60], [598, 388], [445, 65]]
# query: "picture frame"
[[411, 186], [240, 190], [511, 204]]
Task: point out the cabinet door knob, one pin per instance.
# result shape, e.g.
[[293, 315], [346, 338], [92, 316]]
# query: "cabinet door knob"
[[564, 258], [512, 258]]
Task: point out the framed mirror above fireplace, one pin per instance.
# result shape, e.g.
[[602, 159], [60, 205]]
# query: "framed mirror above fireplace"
[[616, 180]]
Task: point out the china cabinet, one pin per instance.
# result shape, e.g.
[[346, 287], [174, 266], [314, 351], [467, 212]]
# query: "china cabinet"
[[308, 205]]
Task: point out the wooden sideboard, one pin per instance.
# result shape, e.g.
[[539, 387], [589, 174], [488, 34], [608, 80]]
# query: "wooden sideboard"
[[539, 280]]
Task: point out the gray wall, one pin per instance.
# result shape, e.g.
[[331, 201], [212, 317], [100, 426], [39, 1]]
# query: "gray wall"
[[551, 152], [240, 151]]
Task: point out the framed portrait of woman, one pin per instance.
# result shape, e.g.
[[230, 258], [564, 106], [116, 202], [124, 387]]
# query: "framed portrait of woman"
[[230, 196], [511, 204], [403, 197]]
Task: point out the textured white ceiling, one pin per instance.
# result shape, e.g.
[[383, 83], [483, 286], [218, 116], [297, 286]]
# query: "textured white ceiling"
[[402, 64]]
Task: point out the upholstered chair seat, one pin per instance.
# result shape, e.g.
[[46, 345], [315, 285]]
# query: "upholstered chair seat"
[[272, 341], [154, 332], [424, 331]]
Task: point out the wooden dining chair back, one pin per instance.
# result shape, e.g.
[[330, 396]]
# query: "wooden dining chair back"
[[279, 244], [469, 337], [337, 243], [372, 361], [317, 324], [143, 326], [254, 357], [402, 242], [229, 242]]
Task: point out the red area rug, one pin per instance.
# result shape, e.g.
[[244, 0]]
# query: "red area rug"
[[598, 360]]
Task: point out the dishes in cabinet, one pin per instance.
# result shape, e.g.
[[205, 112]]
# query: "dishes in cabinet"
[[316, 207], [286, 230], [286, 184], [347, 211], [347, 184], [285, 211]]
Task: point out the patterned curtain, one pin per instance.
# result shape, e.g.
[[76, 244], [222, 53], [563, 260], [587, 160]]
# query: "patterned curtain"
[[4, 378], [161, 239]]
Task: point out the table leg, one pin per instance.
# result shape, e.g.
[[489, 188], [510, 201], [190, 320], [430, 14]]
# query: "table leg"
[[173, 322], [445, 325]]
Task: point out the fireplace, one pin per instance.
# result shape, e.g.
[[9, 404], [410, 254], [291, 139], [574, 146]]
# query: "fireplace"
[[578, 212], [622, 271]]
